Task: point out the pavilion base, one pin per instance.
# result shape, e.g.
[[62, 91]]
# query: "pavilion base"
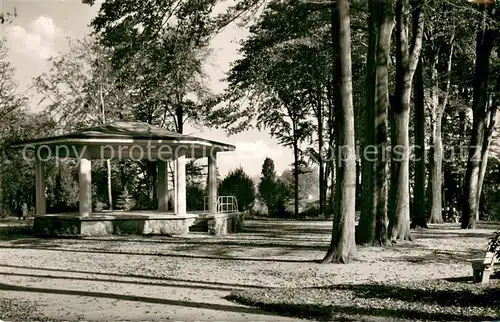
[[135, 223]]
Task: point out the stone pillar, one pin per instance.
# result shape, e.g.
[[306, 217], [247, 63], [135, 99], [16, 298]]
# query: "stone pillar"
[[212, 183], [174, 185], [40, 187], [162, 189], [85, 188], [180, 185]]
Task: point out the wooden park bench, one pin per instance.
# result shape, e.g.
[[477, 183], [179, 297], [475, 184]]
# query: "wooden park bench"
[[483, 268]]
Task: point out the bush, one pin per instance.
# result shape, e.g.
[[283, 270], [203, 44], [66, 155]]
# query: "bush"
[[494, 244], [25, 230], [194, 198], [125, 201], [239, 185]]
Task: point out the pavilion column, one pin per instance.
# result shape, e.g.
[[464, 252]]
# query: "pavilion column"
[[174, 185], [40, 187], [85, 188], [212, 183], [180, 185], [162, 189]]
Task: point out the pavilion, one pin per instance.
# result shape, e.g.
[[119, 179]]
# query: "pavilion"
[[135, 141]]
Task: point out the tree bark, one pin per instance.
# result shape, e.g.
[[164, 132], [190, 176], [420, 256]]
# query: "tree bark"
[[295, 175], [374, 219], [322, 195], [110, 191], [406, 63], [108, 162], [485, 40], [436, 150], [343, 244], [419, 218], [367, 222], [435, 173], [488, 135], [1, 191]]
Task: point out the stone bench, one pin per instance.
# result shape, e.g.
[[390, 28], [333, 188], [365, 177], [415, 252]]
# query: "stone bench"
[[224, 223], [482, 268]]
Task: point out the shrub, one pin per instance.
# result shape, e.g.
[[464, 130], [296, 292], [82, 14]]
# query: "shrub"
[[494, 244], [239, 185], [194, 198], [125, 201]]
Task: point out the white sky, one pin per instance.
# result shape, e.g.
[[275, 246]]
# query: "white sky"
[[41, 29]]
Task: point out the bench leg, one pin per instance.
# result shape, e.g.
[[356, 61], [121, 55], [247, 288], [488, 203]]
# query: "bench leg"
[[486, 276], [477, 275]]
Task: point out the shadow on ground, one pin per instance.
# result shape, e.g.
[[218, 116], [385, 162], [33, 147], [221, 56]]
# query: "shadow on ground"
[[443, 257], [183, 303], [375, 301], [146, 279]]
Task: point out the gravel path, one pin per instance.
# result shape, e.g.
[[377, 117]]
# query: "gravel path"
[[156, 278]]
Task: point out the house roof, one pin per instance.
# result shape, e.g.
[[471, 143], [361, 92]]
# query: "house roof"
[[132, 131]]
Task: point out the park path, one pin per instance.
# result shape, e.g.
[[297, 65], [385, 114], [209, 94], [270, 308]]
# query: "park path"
[[187, 279], [101, 297]]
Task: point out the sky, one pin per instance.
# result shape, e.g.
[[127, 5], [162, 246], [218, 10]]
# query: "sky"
[[42, 28]]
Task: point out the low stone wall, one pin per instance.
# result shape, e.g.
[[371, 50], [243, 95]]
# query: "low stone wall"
[[222, 224], [60, 226], [103, 225]]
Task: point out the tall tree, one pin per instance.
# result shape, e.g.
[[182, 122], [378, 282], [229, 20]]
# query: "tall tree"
[[10, 101], [374, 220], [159, 47], [491, 118], [407, 56], [419, 218], [308, 181], [6, 17], [238, 184], [343, 244], [268, 186], [486, 36], [437, 48], [11, 105], [80, 90], [274, 84]]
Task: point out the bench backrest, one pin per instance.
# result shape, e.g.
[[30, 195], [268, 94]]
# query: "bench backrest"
[[489, 258]]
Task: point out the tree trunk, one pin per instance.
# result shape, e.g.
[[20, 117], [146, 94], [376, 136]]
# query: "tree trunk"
[[295, 176], [400, 221], [374, 219], [406, 63], [1, 191], [488, 135], [436, 149], [419, 218], [123, 175], [108, 162], [110, 191], [333, 176], [343, 244], [436, 182], [367, 222], [484, 44], [179, 117], [436, 173], [331, 142], [154, 180], [322, 186]]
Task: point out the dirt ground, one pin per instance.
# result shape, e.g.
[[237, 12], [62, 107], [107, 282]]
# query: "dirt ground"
[[163, 279]]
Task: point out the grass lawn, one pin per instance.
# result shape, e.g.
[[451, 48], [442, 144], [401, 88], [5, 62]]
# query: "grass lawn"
[[268, 273]]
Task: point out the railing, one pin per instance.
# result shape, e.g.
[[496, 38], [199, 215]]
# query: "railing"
[[225, 204]]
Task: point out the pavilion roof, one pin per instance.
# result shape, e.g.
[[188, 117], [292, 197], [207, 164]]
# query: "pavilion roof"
[[120, 130]]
